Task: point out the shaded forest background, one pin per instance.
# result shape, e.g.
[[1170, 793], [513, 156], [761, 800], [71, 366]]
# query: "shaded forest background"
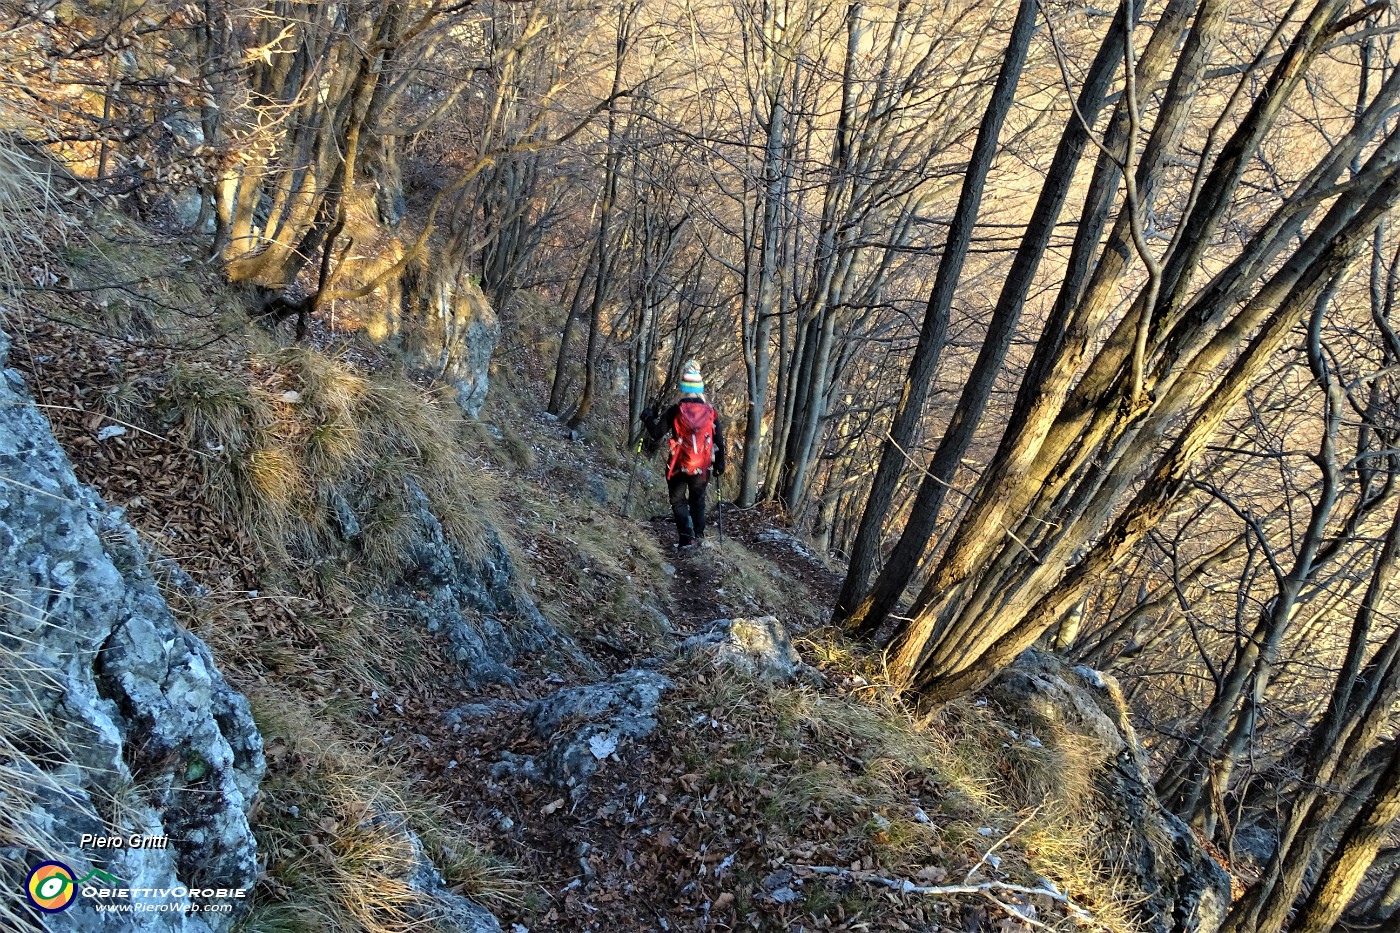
[[1050, 324]]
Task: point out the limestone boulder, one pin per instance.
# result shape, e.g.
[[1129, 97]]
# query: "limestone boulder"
[[1183, 889], [584, 726], [118, 720], [760, 647]]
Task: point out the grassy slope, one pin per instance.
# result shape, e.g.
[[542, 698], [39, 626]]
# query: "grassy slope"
[[235, 447]]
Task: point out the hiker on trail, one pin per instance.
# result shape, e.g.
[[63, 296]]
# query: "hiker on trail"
[[696, 447]]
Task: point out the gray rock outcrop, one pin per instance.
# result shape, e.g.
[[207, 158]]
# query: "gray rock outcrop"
[[584, 726], [175, 136], [434, 904], [1184, 889], [450, 331], [473, 603], [758, 647], [117, 717], [434, 313], [783, 539]]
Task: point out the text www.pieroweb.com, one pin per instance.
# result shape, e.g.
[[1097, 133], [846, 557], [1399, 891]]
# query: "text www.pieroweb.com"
[[122, 907]]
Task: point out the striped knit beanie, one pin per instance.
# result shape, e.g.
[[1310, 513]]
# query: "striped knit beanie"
[[691, 383]]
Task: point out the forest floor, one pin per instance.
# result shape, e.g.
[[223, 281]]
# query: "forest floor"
[[682, 835], [716, 822]]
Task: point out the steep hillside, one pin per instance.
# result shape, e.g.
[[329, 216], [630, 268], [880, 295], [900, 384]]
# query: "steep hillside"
[[472, 642]]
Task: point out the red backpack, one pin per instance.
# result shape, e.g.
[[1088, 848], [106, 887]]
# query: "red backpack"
[[692, 439]]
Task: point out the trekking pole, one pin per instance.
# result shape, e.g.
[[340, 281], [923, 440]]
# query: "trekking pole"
[[632, 456], [719, 507]]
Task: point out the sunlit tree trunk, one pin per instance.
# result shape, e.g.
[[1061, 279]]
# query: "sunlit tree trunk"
[[1236, 703], [991, 595], [932, 334], [1359, 708], [308, 111], [758, 314], [1349, 862], [606, 252]]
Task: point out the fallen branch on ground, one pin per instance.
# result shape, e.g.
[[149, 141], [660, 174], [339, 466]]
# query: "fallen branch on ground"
[[987, 889]]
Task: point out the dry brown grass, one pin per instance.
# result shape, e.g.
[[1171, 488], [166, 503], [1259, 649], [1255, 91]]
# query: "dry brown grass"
[[485, 878], [26, 193], [1053, 777], [332, 827], [993, 784], [762, 586], [277, 437], [590, 571], [299, 433], [33, 746]]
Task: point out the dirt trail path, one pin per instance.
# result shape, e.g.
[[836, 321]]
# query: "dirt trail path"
[[620, 858], [693, 597], [698, 592]]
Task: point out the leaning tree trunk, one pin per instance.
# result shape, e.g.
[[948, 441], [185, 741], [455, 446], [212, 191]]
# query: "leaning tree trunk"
[[849, 607], [959, 641], [1353, 856], [1359, 708], [995, 589]]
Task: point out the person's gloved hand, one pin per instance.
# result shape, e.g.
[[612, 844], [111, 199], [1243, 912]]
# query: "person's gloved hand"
[[649, 414], [719, 469]]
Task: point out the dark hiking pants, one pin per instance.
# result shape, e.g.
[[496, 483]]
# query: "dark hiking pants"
[[688, 505]]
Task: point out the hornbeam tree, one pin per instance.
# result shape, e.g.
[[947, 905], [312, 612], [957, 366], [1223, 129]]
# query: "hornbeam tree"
[[1118, 402]]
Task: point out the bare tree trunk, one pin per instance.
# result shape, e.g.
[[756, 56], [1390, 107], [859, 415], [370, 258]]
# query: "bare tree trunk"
[[849, 608], [1234, 707], [758, 328], [1358, 709], [1346, 868], [808, 383], [992, 594], [1387, 901], [952, 648], [605, 255], [566, 336]]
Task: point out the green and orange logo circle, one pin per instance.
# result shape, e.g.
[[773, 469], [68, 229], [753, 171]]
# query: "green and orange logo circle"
[[51, 887]]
